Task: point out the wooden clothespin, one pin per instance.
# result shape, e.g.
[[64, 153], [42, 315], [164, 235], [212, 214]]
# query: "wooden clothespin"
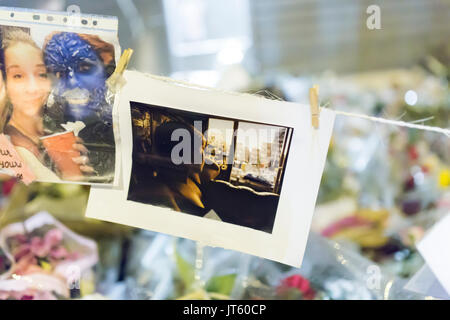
[[123, 61], [314, 103], [115, 81]]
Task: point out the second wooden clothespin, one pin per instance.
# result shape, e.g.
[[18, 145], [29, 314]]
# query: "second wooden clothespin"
[[314, 103]]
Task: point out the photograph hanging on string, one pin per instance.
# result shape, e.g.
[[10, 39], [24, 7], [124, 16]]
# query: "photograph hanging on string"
[[56, 108], [208, 166], [226, 169]]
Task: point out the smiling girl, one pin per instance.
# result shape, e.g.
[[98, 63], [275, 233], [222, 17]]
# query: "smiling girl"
[[27, 87]]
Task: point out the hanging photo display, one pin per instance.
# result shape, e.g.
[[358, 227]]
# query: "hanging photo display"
[[55, 105], [225, 169]]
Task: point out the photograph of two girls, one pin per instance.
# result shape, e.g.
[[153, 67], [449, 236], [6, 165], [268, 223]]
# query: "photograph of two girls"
[[55, 106]]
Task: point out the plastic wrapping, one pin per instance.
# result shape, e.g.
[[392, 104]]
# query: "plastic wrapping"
[[177, 268], [56, 68], [329, 271], [153, 270], [33, 287], [425, 282]]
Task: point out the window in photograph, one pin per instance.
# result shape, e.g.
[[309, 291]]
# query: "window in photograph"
[[258, 163]]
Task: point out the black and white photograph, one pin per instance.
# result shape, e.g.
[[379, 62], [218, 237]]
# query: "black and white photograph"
[[221, 168]]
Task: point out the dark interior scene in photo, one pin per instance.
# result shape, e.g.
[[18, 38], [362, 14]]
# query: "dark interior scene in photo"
[[237, 177]]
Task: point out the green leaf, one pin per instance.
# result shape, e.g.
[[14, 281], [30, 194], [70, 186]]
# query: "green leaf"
[[221, 284], [185, 270]]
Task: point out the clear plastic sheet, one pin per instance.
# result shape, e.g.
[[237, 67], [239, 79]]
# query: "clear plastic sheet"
[[334, 272], [425, 282], [172, 268], [150, 269], [56, 106]]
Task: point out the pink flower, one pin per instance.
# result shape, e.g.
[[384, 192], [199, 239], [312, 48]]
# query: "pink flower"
[[49, 248], [21, 238], [21, 251], [40, 247], [53, 237], [347, 222], [59, 253]]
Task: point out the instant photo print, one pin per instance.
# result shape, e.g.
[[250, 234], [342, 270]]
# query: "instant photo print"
[[208, 166], [225, 169], [57, 109]]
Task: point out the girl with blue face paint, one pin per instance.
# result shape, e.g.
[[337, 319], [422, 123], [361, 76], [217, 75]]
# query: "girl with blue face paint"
[[80, 75], [80, 64]]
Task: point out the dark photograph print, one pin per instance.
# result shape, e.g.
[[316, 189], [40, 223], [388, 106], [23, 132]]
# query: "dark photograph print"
[[208, 166]]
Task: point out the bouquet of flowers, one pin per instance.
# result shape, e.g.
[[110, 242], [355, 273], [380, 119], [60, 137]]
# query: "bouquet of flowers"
[[45, 254], [39, 252]]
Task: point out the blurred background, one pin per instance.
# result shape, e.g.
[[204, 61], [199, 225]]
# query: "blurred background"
[[383, 187], [268, 37]]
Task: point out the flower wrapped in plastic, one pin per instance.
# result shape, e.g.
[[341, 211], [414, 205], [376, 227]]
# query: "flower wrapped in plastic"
[[330, 271], [43, 249]]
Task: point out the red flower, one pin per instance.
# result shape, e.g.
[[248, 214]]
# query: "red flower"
[[412, 152], [7, 186], [298, 283], [425, 169]]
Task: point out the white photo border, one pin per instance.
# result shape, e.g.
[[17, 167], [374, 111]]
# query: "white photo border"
[[303, 172]]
